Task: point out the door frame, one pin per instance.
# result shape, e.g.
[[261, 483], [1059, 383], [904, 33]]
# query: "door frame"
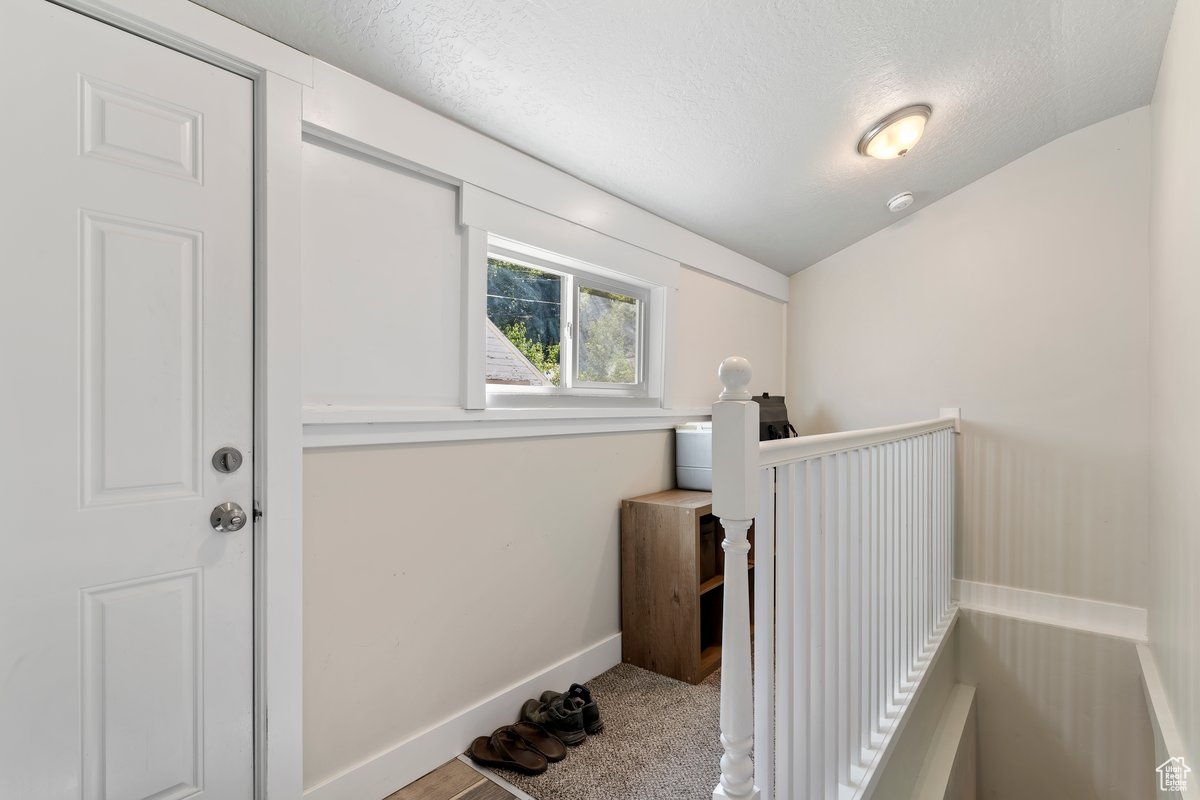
[[279, 75]]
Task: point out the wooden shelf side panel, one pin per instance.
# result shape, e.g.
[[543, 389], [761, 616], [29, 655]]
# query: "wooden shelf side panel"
[[660, 621]]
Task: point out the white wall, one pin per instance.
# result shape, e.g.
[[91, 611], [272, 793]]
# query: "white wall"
[[1175, 378], [382, 283], [438, 575], [715, 319], [1022, 299], [1061, 714]]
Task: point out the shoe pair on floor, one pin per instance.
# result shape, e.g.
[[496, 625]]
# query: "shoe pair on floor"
[[525, 747], [570, 715], [530, 746]]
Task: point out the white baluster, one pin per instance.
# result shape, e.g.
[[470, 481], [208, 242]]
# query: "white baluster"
[[852, 631], [735, 501], [832, 604], [931, 526], [892, 560], [939, 533], [943, 489], [764, 643], [935, 526], [925, 582], [947, 521], [952, 466], [877, 594], [906, 543], [814, 498], [801, 629], [785, 625]]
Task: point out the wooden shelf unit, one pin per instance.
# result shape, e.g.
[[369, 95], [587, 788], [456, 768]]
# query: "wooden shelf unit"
[[670, 607]]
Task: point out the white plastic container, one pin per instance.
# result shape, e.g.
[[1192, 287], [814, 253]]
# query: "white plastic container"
[[693, 456]]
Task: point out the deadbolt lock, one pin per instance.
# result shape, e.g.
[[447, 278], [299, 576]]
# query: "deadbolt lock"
[[227, 459]]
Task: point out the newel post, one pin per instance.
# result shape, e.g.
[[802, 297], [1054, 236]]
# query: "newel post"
[[735, 501]]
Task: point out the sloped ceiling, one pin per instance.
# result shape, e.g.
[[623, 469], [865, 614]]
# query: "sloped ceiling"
[[739, 120]]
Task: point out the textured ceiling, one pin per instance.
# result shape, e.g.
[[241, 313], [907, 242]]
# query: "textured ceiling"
[[739, 120]]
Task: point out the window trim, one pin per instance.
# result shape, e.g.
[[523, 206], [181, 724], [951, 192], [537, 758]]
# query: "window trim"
[[649, 392]]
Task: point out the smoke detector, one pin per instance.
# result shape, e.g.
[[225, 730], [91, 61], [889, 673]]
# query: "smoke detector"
[[900, 202]]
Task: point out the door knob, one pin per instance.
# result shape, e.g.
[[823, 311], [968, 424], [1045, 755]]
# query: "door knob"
[[227, 518]]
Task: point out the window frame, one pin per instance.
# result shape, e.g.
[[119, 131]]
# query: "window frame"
[[647, 392]]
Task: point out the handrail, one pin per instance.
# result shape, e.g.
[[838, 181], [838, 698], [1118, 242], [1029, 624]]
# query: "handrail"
[[775, 452]]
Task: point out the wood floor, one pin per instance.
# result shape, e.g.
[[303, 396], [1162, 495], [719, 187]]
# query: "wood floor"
[[453, 780]]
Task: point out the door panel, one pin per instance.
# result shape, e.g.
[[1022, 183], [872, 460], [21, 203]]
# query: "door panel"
[[139, 130], [128, 720], [126, 240], [141, 305]]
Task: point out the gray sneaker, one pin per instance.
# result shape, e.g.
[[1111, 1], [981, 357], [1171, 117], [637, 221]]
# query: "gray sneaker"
[[562, 716], [591, 712]]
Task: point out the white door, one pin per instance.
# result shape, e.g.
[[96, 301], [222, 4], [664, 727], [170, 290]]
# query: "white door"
[[125, 362]]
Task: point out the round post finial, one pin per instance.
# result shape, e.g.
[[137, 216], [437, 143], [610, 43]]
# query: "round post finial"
[[735, 372]]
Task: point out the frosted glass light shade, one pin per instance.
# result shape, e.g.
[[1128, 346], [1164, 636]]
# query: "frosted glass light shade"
[[895, 134]]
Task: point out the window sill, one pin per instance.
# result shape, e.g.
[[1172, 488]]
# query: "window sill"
[[570, 401], [353, 426]]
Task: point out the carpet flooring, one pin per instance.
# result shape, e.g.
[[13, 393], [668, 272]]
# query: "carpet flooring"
[[661, 741]]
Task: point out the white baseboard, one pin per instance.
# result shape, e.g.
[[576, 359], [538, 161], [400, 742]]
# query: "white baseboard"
[[1167, 742], [934, 782], [385, 772], [1076, 613]]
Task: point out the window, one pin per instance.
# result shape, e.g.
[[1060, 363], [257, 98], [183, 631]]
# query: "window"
[[606, 346], [524, 305], [557, 327]]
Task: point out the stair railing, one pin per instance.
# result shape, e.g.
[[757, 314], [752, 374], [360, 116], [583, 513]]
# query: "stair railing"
[[853, 562]]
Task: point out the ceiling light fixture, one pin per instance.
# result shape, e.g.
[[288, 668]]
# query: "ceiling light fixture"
[[895, 134]]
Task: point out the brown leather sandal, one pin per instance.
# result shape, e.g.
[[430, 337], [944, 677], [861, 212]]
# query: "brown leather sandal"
[[506, 750], [541, 740]]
